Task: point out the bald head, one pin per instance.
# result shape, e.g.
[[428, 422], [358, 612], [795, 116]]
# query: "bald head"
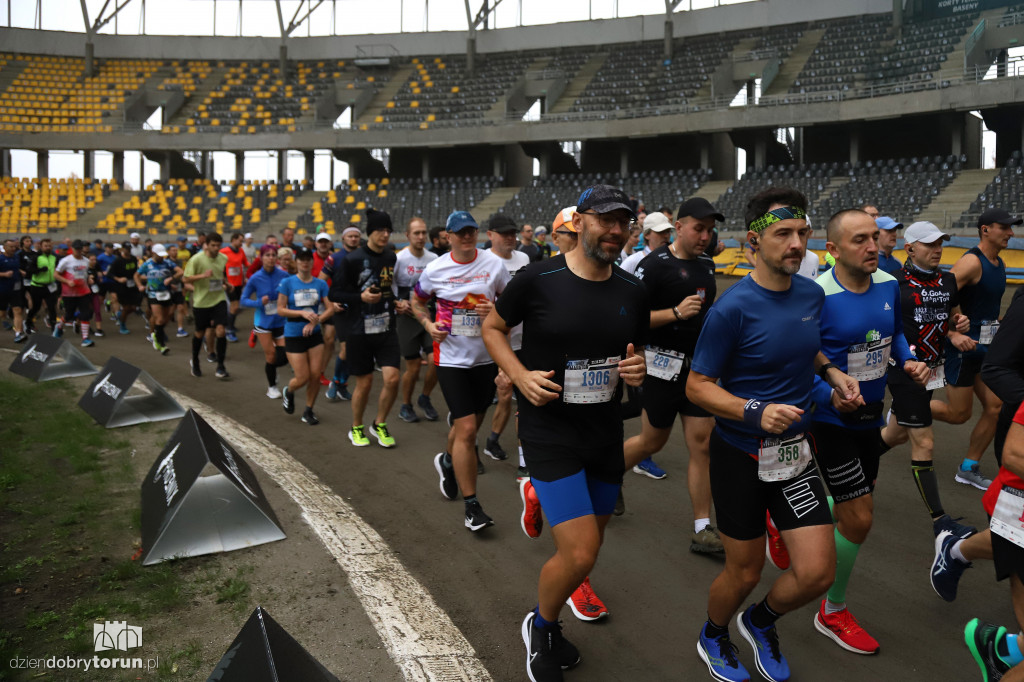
[[834, 228]]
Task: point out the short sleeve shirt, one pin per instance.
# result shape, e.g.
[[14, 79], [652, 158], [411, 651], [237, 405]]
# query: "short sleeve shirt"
[[76, 269], [208, 291], [301, 296]]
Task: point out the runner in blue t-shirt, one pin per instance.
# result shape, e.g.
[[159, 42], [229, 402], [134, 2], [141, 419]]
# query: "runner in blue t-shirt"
[[260, 293], [761, 340], [300, 298], [861, 329], [157, 273]]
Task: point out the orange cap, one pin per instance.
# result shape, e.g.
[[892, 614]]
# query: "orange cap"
[[564, 217]]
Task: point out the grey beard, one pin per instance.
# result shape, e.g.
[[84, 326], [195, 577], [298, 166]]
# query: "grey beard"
[[594, 252]]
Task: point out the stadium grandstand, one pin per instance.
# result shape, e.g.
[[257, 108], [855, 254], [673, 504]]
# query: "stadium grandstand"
[[917, 108]]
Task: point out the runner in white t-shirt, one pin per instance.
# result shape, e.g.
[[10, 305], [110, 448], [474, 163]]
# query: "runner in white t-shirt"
[[413, 339], [502, 231], [465, 283], [73, 274]]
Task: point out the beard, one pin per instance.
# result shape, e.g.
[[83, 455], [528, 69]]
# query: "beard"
[[787, 268], [593, 250]]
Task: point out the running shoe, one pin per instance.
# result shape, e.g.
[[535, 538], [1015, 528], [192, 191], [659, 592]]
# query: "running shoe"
[[324, 381], [531, 520], [770, 662], [973, 477], [181, 333], [707, 541], [287, 400], [273, 392], [358, 436], [149, 339], [222, 372], [98, 333], [211, 358], [332, 393], [123, 330], [945, 523], [946, 569], [58, 332], [449, 420], [476, 518], [620, 504], [650, 469], [721, 657], [981, 638], [521, 473], [429, 413], [231, 337], [252, 339], [194, 368], [842, 628], [20, 337], [383, 436], [449, 486], [7, 325], [586, 605], [407, 414], [164, 350], [548, 653], [493, 449], [775, 546], [87, 343], [343, 392], [309, 418]]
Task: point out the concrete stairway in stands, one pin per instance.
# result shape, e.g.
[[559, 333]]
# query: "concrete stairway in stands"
[[579, 83], [491, 203], [946, 208], [794, 64]]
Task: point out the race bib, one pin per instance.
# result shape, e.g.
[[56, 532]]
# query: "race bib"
[[781, 460], [590, 381], [17, 285], [306, 298], [162, 295], [663, 363], [936, 378], [1008, 516], [868, 361], [216, 285], [466, 322], [51, 287], [988, 330], [95, 288], [234, 271], [376, 324], [270, 308]]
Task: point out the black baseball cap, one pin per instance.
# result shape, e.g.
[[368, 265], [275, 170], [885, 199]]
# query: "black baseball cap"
[[604, 199], [699, 208], [302, 253], [78, 244], [998, 215], [501, 224]]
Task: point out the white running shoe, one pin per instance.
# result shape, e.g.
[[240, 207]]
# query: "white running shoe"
[[274, 393]]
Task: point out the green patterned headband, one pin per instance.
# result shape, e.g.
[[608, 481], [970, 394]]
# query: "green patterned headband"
[[775, 215]]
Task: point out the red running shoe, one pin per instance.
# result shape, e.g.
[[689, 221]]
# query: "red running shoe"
[[252, 339], [585, 604], [531, 519], [844, 630], [775, 547], [324, 381]]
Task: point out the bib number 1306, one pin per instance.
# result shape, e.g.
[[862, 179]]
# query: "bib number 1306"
[[590, 381]]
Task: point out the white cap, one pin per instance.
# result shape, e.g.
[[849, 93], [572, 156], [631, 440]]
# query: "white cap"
[[324, 235], [656, 222], [925, 232], [160, 250], [248, 235], [541, 230], [133, 235]]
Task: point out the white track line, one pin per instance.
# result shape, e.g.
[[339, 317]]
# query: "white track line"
[[419, 636]]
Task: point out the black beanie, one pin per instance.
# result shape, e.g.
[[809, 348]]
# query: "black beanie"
[[377, 220]]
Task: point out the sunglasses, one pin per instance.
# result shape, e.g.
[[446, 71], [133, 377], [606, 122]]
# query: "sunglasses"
[[565, 233]]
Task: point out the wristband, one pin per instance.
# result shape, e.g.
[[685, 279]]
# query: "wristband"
[[823, 370], [675, 311], [752, 412]]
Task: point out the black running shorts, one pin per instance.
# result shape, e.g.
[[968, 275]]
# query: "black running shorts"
[[362, 350], [741, 498], [911, 402], [1008, 558], [467, 390], [301, 344], [215, 316], [847, 459], [413, 339], [663, 400]]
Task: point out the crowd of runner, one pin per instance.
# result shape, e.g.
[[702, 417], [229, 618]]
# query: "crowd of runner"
[[779, 382]]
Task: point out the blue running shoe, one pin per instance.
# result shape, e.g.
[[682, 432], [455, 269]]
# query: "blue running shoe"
[[945, 523], [946, 569], [408, 414], [124, 330], [87, 343], [720, 655], [770, 662], [332, 392], [58, 332], [429, 413], [232, 337], [650, 469]]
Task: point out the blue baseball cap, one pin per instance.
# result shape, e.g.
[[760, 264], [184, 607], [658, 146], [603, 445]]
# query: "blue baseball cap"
[[887, 223], [460, 220]]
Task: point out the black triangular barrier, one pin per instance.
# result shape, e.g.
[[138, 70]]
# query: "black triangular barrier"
[[187, 513], [263, 650], [123, 395], [44, 358]]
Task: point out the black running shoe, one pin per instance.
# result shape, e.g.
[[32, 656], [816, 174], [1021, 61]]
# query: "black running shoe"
[[222, 372], [310, 418], [449, 486], [195, 368], [287, 401], [493, 449], [476, 519], [211, 358], [548, 653], [981, 639]]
